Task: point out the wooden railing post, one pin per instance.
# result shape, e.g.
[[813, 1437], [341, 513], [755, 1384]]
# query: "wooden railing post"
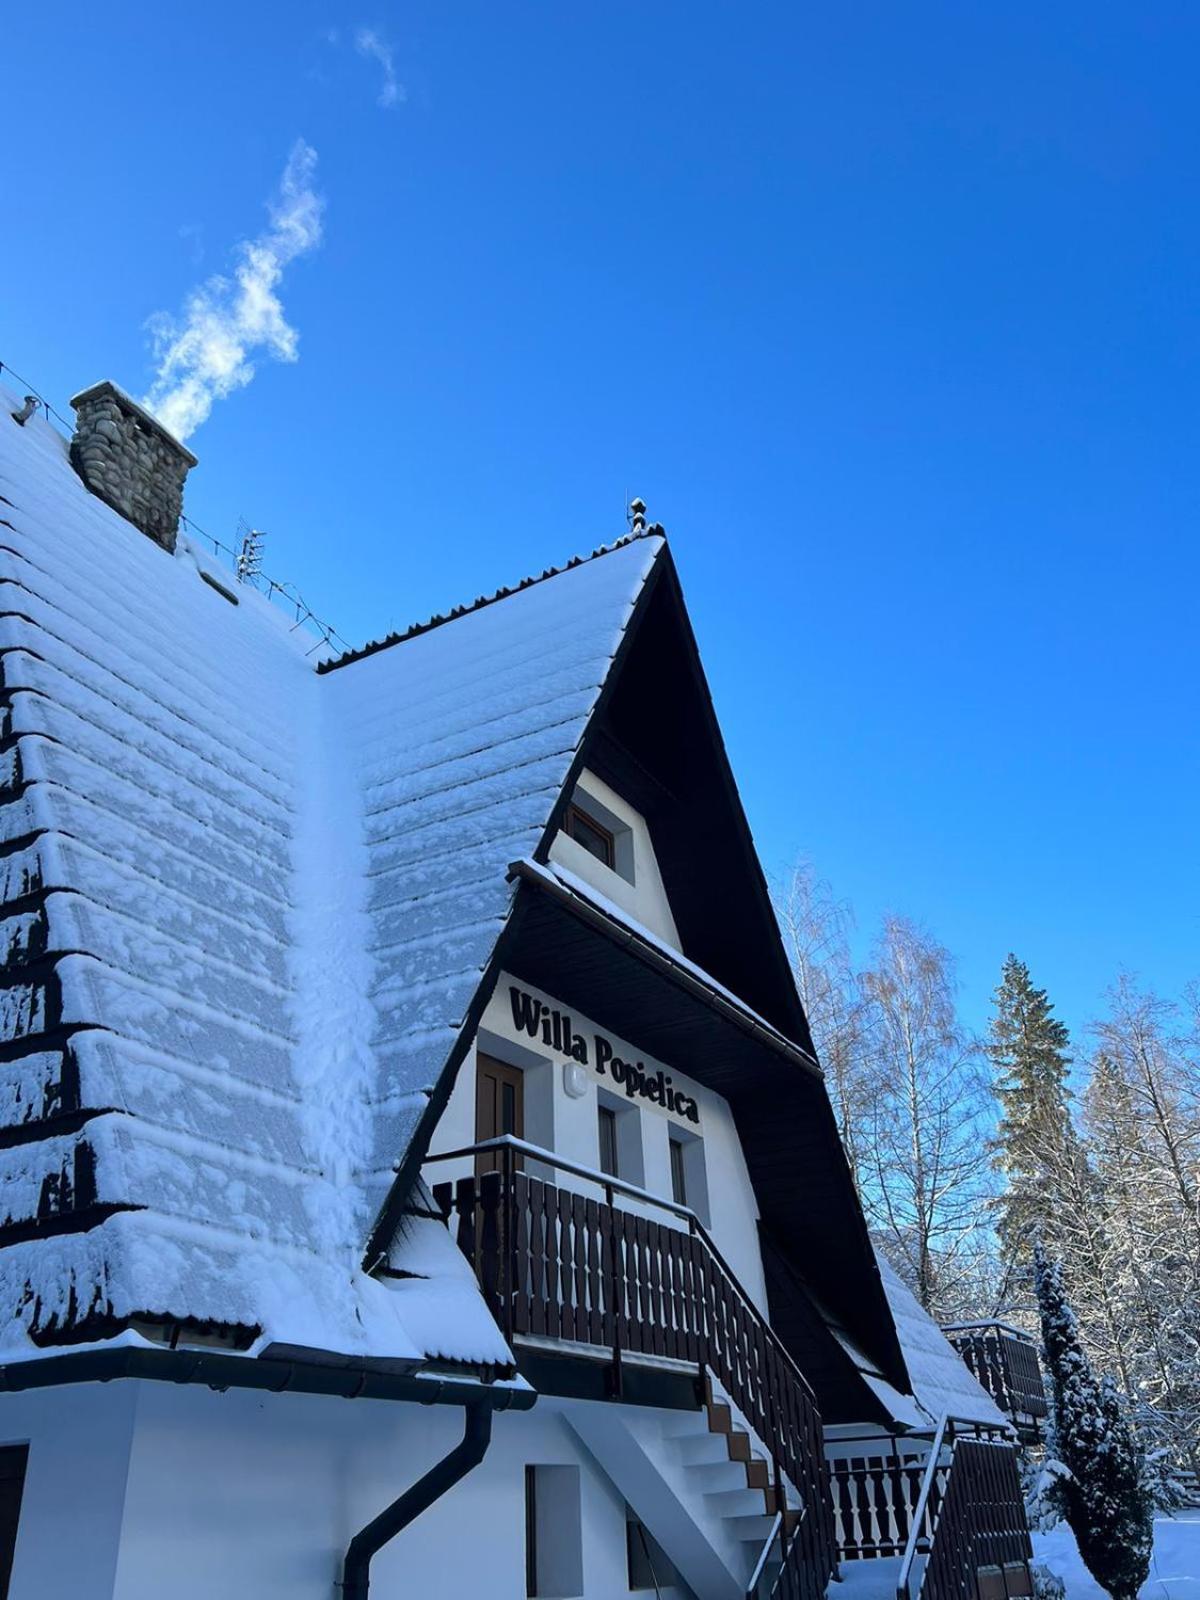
[[509, 1270], [616, 1299]]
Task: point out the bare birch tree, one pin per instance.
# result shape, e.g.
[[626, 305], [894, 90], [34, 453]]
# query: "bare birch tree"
[[816, 930], [926, 1157]]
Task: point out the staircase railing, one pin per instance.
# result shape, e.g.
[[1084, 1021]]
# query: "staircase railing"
[[557, 1264], [967, 1519]]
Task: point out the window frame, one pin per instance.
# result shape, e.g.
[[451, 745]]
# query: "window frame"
[[531, 1550], [576, 812], [606, 1126], [678, 1157], [14, 1462]]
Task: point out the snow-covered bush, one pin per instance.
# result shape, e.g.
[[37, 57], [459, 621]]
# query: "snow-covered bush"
[[1046, 1584], [1044, 1483]]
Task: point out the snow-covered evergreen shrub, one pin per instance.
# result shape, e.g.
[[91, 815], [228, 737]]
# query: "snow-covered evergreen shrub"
[[1047, 1585], [1104, 1499], [1044, 1483]]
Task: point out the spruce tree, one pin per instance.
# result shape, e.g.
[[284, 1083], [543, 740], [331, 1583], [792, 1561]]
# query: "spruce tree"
[[1105, 1499], [1028, 1050]]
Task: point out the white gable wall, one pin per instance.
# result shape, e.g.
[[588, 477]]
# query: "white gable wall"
[[567, 1123], [73, 1507], [636, 883]]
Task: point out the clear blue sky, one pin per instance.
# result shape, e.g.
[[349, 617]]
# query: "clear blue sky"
[[889, 312]]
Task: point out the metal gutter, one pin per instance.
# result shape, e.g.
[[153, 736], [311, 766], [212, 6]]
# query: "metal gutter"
[[349, 1378]]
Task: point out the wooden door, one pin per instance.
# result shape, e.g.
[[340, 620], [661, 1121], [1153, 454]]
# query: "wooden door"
[[499, 1106]]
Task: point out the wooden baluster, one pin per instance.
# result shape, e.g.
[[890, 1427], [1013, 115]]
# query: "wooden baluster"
[[658, 1331], [443, 1199], [596, 1328], [537, 1257], [490, 1273], [631, 1320], [553, 1297], [687, 1299], [566, 1275], [609, 1268], [465, 1201], [522, 1255], [583, 1321], [635, 1316]]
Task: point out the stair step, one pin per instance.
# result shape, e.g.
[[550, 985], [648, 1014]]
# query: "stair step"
[[715, 1477], [741, 1502], [752, 1529], [700, 1449]]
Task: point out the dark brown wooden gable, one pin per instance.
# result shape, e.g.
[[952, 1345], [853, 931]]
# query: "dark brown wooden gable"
[[656, 740]]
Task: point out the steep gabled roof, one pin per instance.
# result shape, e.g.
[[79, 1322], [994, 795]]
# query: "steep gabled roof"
[[251, 913], [221, 1004]]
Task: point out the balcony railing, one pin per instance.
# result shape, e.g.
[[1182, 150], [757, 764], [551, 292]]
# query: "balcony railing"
[[555, 1264], [875, 1498], [1005, 1362]]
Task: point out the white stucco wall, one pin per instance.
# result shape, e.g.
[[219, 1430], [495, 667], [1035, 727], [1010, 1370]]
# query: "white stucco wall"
[[569, 1126], [72, 1510], [640, 891], [137, 1491]]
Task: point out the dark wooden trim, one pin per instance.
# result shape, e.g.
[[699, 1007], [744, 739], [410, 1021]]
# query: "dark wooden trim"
[[554, 822], [652, 955]]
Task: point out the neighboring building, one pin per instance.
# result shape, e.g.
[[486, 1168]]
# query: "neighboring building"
[[303, 961]]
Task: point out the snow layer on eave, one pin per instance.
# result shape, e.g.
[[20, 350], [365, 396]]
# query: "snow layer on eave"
[[198, 847], [461, 740]]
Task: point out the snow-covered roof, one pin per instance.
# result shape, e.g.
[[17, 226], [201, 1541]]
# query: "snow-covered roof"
[[941, 1382], [246, 908]]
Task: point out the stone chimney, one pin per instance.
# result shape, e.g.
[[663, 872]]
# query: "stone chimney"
[[130, 460]]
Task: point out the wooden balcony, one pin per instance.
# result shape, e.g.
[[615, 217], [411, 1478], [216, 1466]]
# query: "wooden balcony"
[[595, 1271], [1005, 1361]]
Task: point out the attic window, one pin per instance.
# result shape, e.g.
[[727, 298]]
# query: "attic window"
[[595, 838]]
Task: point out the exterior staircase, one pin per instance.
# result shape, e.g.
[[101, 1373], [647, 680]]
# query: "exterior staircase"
[[702, 1483]]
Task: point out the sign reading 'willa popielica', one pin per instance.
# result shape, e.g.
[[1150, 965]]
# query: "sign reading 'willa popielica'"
[[556, 1032]]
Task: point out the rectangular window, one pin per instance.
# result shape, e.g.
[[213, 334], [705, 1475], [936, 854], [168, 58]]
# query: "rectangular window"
[[12, 1483], [595, 838], [608, 1141], [678, 1173]]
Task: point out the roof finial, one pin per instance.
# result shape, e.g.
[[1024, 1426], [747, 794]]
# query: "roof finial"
[[637, 515]]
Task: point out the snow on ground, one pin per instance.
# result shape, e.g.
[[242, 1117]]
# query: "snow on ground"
[[1174, 1568]]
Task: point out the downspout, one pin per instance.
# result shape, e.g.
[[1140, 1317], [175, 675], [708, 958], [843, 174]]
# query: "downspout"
[[451, 1469]]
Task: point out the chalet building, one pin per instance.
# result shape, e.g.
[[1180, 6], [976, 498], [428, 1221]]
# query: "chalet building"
[[416, 1174]]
